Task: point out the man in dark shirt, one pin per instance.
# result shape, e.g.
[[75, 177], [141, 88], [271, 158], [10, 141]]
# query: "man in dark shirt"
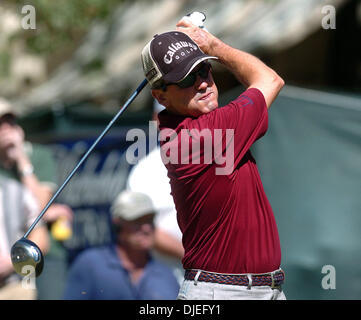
[[230, 237]]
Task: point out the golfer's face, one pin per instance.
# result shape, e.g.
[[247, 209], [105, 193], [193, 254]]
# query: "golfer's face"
[[198, 99]]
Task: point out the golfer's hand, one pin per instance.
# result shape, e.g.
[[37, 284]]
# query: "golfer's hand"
[[204, 39]]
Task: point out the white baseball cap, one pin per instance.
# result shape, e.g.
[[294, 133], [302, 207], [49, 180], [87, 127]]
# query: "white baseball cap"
[[130, 205]]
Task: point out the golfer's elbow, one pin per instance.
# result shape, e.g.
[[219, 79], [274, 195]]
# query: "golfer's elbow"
[[270, 87], [277, 83]]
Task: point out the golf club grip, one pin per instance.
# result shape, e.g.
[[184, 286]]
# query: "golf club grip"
[[85, 156]]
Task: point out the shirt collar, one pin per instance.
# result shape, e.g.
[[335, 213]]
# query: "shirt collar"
[[170, 120]]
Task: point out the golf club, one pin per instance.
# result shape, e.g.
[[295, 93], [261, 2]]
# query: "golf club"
[[25, 253]]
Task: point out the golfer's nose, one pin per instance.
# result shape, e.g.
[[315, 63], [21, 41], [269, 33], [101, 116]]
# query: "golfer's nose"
[[202, 84]]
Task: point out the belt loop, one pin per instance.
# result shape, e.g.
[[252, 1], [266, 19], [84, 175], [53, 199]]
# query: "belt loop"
[[249, 281], [196, 277]]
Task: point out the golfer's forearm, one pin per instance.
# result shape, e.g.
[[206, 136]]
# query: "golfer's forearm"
[[248, 69]]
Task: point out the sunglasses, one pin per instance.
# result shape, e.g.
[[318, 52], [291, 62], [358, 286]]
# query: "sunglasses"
[[190, 80]]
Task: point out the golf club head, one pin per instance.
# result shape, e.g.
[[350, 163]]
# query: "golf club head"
[[26, 257]]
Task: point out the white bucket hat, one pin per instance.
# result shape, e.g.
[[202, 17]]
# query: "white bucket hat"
[[130, 205]]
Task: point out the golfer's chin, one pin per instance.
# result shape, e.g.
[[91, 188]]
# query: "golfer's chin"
[[207, 107], [201, 107]]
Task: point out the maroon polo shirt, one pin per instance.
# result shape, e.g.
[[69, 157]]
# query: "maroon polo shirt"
[[226, 219]]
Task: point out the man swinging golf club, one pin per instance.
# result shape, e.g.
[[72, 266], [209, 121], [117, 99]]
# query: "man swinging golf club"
[[232, 248], [231, 242]]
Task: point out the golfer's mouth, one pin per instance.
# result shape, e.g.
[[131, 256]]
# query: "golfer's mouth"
[[206, 96]]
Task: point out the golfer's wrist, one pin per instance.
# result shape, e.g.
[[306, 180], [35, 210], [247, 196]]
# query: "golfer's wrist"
[[215, 47], [220, 50]]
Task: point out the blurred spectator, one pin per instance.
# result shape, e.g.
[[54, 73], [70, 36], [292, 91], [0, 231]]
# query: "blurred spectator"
[[124, 270], [32, 169], [149, 176], [18, 206]]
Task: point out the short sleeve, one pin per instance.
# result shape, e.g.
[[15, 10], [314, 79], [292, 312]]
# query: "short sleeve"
[[221, 137], [245, 119]]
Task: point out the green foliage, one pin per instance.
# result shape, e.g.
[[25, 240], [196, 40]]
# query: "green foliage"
[[4, 64], [93, 65], [60, 23]]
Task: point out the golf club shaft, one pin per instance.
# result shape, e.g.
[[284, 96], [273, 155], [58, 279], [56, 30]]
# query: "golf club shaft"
[[129, 101]]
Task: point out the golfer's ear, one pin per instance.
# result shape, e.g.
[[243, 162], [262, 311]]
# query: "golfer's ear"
[[160, 96]]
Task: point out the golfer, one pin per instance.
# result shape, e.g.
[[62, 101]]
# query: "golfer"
[[230, 237]]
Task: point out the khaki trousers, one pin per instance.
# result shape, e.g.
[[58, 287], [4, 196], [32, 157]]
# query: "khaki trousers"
[[16, 291]]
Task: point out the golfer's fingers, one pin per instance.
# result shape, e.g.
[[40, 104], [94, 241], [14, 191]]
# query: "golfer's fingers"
[[184, 23]]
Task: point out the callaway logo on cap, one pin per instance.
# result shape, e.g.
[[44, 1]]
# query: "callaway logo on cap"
[[170, 57]]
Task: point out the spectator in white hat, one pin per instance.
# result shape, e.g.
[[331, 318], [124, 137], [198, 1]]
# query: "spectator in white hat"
[[124, 270]]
